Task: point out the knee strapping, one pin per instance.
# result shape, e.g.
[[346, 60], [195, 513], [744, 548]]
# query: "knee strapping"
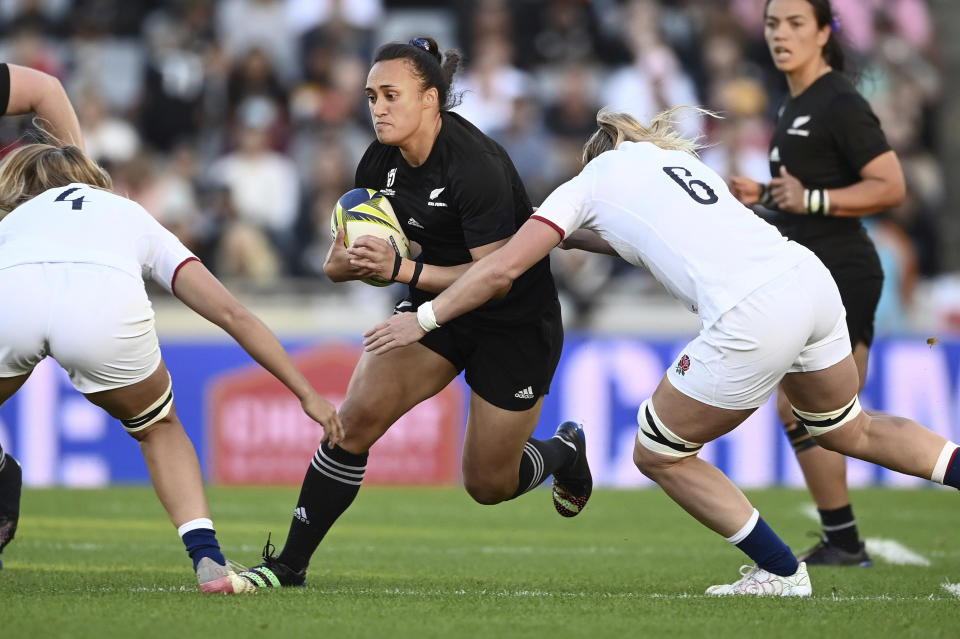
[[799, 438], [154, 413], [653, 435], [822, 423]]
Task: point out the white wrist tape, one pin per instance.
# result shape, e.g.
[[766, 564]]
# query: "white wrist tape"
[[426, 318]]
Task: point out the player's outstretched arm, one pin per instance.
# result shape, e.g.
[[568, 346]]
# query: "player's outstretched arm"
[[201, 291], [488, 276], [40, 93]]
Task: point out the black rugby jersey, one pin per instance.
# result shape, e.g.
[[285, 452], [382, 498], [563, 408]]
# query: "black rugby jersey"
[[4, 88], [824, 137], [466, 194]]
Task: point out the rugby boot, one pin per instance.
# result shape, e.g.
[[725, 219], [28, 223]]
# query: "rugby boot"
[[572, 485], [272, 573], [758, 582], [216, 578], [11, 484], [827, 554]]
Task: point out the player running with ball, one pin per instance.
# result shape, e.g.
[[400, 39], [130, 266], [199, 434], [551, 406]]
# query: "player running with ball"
[[457, 194]]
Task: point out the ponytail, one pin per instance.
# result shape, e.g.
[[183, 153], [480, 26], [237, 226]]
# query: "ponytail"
[[429, 66], [614, 127]]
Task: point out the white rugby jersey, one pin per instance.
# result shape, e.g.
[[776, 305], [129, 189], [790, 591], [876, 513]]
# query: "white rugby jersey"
[[668, 211], [78, 223]]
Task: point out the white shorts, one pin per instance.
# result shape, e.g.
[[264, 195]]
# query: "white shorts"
[[792, 324], [96, 321]]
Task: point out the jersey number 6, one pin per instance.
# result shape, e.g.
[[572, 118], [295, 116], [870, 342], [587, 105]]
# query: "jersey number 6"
[[687, 184]]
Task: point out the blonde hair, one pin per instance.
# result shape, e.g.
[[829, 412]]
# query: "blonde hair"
[[614, 127], [34, 168]]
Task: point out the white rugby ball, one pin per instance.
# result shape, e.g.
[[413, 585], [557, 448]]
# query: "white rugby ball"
[[368, 212]]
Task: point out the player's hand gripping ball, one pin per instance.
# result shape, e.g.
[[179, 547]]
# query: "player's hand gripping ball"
[[368, 212]]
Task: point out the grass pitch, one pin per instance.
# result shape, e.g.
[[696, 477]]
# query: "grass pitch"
[[431, 563]]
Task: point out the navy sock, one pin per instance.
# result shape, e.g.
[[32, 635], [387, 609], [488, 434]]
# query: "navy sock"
[[202, 542], [767, 550], [541, 458], [952, 476]]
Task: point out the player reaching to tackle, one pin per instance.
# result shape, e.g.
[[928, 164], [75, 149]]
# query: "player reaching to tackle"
[[72, 261], [769, 310]]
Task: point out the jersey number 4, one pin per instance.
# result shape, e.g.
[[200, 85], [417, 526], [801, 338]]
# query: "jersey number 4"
[[682, 177], [77, 202]]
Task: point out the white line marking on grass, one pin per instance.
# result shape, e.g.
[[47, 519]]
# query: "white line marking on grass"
[[893, 552], [810, 512], [544, 594], [953, 589]]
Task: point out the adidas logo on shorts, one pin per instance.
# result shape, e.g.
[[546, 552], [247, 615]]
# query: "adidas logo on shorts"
[[524, 393]]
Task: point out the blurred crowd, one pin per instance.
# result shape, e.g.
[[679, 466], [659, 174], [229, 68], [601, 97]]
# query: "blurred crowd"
[[238, 123]]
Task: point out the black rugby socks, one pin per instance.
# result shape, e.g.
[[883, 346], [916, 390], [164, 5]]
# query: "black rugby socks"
[[11, 482], [840, 528], [329, 487], [541, 458]]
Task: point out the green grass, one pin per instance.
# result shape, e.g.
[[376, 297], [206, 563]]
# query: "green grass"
[[430, 563]]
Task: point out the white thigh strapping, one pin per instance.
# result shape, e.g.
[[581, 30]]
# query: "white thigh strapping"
[[654, 435], [822, 423]]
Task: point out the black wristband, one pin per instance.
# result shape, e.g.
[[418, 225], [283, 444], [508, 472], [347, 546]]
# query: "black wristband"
[[397, 261], [766, 198], [416, 274]]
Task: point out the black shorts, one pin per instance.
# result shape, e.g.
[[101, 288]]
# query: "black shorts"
[[509, 365], [853, 261]]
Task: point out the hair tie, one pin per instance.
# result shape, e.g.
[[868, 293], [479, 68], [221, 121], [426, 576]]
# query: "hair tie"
[[421, 43], [834, 24]]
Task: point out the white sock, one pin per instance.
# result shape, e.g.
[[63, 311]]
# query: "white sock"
[[195, 524], [748, 527]]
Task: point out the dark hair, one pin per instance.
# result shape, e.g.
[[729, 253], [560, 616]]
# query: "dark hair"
[[832, 50], [429, 67]]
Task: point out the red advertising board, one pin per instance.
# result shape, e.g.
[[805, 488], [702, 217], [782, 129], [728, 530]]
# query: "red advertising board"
[[257, 434]]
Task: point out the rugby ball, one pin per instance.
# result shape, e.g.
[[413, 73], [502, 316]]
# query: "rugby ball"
[[368, 212]]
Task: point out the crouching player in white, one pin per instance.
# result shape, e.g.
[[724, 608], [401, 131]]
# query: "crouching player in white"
[[769, 311], [72, 260], [25, 90]]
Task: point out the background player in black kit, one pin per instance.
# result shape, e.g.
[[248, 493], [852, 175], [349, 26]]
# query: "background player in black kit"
[[458, 195], [831, 165], [25, 90]]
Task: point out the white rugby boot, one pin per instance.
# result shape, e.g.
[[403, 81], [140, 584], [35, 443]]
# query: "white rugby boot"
[[214, 578], [758, 582]]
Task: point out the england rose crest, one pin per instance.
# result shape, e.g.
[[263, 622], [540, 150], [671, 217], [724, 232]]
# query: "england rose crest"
[[683, 365]]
